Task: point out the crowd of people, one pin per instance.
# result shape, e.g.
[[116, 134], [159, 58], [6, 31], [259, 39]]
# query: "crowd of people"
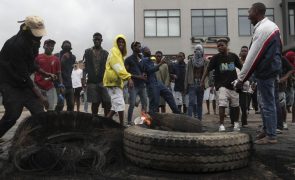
[[228, 80]]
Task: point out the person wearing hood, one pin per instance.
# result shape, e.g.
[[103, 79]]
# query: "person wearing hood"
[[225, 63], [114, 76], [67, 61], [192, 85], [17, 64]]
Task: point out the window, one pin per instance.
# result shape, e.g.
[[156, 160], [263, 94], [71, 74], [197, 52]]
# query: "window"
[[291, 22], [245, 26], [209, 22], [161, 23]]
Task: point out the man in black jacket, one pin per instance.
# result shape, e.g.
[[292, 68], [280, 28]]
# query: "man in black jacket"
[[16, 65]]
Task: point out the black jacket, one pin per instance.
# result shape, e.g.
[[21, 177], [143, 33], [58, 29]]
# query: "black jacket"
[[66, 65], [17, 61], [95, 70]]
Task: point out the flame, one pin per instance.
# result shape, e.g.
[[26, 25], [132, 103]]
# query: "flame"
[[146, 118]]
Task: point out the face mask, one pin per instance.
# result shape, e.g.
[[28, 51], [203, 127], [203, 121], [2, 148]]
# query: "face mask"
[[67, 48], [198, 53], [35, 47]]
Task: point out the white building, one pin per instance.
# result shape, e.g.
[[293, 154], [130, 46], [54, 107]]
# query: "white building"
[[173, 26]]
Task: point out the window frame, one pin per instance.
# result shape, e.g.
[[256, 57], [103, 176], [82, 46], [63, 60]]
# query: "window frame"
[[161, 17], [214, 16], [289, 18]]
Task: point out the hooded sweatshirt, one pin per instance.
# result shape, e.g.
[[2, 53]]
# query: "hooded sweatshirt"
[[115, 73], [196, 62], [198, 59]]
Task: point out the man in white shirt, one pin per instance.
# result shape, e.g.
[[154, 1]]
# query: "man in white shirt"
[[77, 75]]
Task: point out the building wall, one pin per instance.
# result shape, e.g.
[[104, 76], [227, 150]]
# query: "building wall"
[[173, 45]]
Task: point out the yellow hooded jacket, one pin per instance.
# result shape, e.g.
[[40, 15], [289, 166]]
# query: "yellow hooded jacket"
[[115, 73]]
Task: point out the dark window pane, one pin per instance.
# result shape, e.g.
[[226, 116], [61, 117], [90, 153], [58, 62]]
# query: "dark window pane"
[[197, 26], [243, 12], [197, 13], [150, 26], [220, 12], [149, 13], [209, 27], [221, 26], [244, 26], [209, 13], [174, 13], [269, 12], [162, 27], [174, 25], [292, 25], [162, 13]]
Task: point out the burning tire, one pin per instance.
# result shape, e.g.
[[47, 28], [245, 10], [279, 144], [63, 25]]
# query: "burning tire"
[[186, 152]]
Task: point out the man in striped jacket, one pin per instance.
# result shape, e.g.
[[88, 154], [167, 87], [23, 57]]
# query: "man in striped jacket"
[[264, 60]]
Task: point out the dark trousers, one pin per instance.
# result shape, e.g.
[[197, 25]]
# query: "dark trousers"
[[14, 100], [69, 97], [155, 91], [244, 99], [254, 100]]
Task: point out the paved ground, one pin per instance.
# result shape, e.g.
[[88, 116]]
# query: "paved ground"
[[269, 161]]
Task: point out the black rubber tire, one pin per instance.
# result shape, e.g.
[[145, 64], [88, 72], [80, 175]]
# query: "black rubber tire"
[[187, 152]]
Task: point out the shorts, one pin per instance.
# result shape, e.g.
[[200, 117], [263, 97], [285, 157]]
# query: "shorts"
[[117, 99], [227, 97], [98, 94], [77, 91], [51, 97], [208, 95]]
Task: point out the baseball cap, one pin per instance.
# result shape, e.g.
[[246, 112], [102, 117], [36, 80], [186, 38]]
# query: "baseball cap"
[[36, 25], [49, 41]]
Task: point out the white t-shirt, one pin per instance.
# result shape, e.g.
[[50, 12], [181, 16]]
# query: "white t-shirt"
[[77, 75]]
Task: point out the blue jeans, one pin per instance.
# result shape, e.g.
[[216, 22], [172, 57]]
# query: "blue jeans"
[[196, 107], [155, 91], [133, 92], [266, 91]]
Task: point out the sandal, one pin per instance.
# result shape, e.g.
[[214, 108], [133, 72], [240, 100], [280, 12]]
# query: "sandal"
[[266, 140]]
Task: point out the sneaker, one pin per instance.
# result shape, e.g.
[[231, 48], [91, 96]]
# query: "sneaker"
[[236, 126], [278, 131], [221, 128], [266, 140], [285, 126]]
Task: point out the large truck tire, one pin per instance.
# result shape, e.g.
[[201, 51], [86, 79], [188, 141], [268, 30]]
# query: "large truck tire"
[[187, 152]]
